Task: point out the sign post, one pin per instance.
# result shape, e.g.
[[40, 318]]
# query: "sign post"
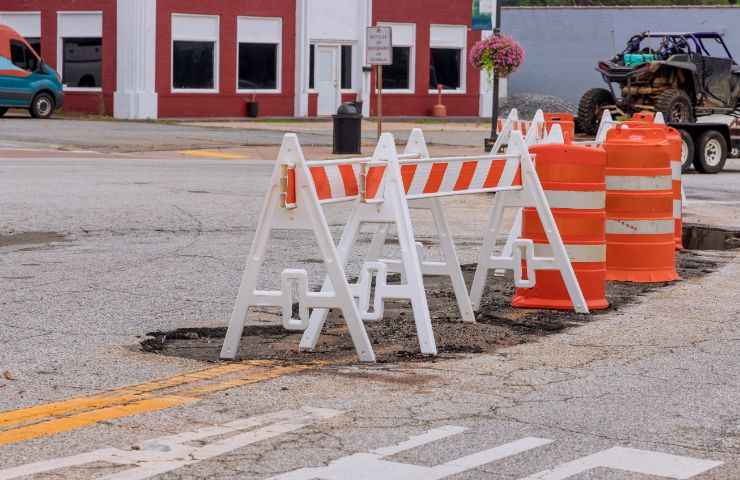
[[379, 53]]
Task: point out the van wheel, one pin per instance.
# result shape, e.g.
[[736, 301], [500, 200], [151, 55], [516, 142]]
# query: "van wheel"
[[3, 111], [42, 106]]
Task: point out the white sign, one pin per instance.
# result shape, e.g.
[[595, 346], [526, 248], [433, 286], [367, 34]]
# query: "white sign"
[[486, 6], [379, 46]]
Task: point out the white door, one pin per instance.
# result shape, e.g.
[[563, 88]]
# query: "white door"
[[327, 82]]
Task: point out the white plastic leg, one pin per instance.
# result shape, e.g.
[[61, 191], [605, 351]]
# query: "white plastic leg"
[[486, 251], [514, 234], [249, 278], [318, 316]]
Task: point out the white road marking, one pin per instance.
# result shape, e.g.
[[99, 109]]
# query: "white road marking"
[[631, 460], [372, 466], [166, 454]]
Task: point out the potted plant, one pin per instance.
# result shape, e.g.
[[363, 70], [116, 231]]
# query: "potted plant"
[[253, 108], [498, 54]]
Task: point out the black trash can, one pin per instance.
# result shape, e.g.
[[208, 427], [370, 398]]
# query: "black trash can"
[[348, 129]]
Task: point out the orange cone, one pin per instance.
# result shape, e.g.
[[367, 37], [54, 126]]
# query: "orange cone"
[[573, 179]]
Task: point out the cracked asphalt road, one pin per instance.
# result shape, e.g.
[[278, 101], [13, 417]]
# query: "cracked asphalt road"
[[159, 244]]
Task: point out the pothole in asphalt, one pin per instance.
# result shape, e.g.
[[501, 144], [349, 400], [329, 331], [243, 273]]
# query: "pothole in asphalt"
[[394, 338], [30, 238], [704, 237]]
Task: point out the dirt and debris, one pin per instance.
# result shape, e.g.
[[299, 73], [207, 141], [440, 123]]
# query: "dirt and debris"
[[394, 338], [30, 238]]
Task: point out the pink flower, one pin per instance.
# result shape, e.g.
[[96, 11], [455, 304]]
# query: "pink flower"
[[498, 52]]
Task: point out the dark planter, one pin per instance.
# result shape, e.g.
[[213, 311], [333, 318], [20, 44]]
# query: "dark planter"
[[253, 109]]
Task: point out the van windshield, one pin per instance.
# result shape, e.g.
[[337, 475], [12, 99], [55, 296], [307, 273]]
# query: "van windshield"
[[23, 57]]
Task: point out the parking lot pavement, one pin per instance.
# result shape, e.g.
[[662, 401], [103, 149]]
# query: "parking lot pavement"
[[113, 248]]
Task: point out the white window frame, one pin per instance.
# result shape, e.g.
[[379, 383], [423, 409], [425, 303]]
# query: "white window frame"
[[463, 59], [19, 14], [279, 60], [338, 45], [60, 48], [412, 58], [216, 55]]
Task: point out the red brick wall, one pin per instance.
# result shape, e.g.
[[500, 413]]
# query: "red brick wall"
[[424, 13], [79, 102], [226, 103]]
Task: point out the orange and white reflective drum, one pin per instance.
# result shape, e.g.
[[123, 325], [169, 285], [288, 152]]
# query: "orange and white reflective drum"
[[640, 227], [573, 179]]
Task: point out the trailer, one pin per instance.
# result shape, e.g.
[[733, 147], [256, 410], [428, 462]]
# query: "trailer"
[[708, 142]]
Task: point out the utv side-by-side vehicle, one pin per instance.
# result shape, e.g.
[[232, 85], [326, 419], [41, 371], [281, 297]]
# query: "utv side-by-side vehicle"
[[683, 75]]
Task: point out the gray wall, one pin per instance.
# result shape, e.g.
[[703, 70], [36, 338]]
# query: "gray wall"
[[563, 44]]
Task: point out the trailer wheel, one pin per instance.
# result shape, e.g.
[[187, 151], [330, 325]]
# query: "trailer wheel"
[[711, 152], [687, 151]]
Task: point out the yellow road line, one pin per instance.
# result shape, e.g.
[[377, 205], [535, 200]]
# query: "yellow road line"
[[77, 413], [214, 154], [53, 427], [115, 397]]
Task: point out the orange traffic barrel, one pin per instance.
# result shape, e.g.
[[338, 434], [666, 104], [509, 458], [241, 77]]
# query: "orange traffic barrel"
[[565, 120], [573, 179], [640, 244], [646, 120]]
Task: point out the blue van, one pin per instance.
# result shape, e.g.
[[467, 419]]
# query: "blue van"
[[25, 80]]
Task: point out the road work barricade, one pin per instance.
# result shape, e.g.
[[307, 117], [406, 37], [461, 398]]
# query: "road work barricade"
[[639, 206], [567, 124], [380, 190]]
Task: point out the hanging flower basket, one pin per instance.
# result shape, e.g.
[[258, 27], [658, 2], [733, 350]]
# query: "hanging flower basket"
[[499, 53]]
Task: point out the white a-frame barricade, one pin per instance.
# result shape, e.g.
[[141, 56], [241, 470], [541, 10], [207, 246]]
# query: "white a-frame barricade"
[[292, 202], [530, 194], [383, 203], [383, 215]]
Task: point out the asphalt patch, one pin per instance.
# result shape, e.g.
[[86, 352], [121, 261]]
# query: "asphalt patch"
[[30, 238], [394, 338]]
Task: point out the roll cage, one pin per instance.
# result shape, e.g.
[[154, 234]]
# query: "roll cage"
[[678, 42]]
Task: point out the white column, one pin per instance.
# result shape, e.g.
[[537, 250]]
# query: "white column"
[[486, 88], [366, 20], [136, 60], [301, 58]]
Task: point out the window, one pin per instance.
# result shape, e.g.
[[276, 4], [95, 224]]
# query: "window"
[[192, 65], [396, 76], [35, 43], [444, 68], [400, 75], [260, 41], [82, 59], [447, 57], [346, 81], [80, 50], [195, 53], [311, 66], [27, 24], [23, 57], [257, 66]]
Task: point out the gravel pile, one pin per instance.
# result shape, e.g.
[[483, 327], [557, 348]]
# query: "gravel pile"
[[528, 103]]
